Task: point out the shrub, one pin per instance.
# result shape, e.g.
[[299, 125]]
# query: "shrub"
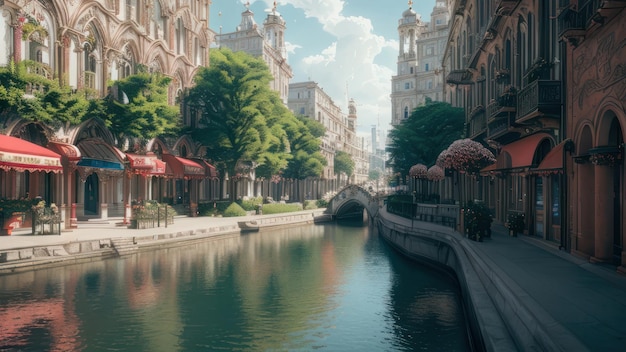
[[233, 210], [207, 209], [322, 203], [249, 204], [277, 208], [310, 204]]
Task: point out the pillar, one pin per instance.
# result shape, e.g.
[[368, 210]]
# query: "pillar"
[[603, 228]]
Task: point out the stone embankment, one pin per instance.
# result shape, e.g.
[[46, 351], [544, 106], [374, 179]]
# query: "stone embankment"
[[90, 244], [500, 315]]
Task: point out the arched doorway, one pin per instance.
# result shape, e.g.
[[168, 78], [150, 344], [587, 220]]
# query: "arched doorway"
[[606, 158], [91, 194]]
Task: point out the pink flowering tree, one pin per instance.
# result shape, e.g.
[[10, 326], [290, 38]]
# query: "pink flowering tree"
[[435, 173], [466, 156], [418, 172]]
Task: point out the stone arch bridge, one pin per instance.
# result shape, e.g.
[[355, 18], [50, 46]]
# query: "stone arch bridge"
[[349, 202]]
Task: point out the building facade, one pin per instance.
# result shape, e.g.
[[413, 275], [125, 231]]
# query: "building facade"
[[419, 74], [85, 45], [542, 86], [267, 42], [309, 99], [595, 110]]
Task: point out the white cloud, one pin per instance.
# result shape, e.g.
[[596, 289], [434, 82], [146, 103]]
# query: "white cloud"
[[348, 61], [291, 48]]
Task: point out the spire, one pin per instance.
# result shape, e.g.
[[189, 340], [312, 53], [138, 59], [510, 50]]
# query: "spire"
[[410, 4]]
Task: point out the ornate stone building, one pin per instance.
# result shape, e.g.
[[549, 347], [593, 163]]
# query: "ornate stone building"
[[267, 42], [542, 84], [309, 99], [419, 75], [86, 45], [503, 72]]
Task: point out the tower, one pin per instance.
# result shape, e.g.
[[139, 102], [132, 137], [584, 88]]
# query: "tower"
[[404, 85], [419, 77]]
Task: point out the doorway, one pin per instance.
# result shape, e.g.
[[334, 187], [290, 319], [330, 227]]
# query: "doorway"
[[91, 195]]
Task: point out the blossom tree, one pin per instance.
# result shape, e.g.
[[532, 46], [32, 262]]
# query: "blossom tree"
[[466, 156], [435, 173], [418, 171]]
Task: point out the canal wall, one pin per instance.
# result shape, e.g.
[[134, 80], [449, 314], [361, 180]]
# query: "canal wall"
[[113, 244], [489, 304]]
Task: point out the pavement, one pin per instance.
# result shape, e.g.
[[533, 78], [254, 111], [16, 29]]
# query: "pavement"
[[589, 300]]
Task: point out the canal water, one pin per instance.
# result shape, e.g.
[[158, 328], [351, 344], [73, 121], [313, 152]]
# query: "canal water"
[[313, 287]]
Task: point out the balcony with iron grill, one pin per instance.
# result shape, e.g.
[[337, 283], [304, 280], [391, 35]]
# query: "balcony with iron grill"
[[477, 122], [501, 116], [540, 98]]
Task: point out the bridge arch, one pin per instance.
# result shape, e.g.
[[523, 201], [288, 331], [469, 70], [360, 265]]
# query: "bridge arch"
[[352, 197]]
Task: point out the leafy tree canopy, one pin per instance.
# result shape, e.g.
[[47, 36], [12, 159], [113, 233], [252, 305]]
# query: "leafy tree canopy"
[[343, 163], [32, 96], [430, 129], [245, 120], [138, 108]]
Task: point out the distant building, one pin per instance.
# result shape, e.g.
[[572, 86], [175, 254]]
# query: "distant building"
[[309, 99], [419, 75], [267, 42]]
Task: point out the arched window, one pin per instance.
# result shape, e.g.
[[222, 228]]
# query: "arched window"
[[406, 112]]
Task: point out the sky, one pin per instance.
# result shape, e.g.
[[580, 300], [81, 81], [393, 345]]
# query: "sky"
[[349, 48]]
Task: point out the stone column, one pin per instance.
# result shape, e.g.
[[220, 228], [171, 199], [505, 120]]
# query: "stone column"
[[17, 39], [603, 214], [104, 199]]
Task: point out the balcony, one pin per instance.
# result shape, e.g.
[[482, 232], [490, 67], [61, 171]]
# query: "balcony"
[[459, 77], [38, 68], [90, 80], [539, 98], [574, 23], [501, 117], [504, 105], [477, 122]]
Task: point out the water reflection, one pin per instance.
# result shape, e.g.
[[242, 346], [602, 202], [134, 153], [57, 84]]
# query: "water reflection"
[[310, 287]]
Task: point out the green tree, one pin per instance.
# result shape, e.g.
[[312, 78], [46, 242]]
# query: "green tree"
[[420, 139], [46, 101], [138, 108], [235, 102], [307, 159], [343, 163]]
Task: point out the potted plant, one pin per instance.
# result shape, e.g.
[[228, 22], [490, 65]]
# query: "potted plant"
[[13, 211], [515, 223], [477, 220]]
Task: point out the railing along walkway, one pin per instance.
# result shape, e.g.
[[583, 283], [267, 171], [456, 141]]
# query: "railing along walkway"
[[442, 214]]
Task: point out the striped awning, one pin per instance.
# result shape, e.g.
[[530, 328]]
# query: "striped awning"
[[21, 155]]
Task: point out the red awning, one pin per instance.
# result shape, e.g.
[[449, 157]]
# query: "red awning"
[[183, 168], [553, 162], [520, 154], [21, 155], [147, 164], [209, 170], [67, 151]]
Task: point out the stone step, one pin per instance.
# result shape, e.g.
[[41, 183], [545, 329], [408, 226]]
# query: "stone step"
[[124, 245]]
